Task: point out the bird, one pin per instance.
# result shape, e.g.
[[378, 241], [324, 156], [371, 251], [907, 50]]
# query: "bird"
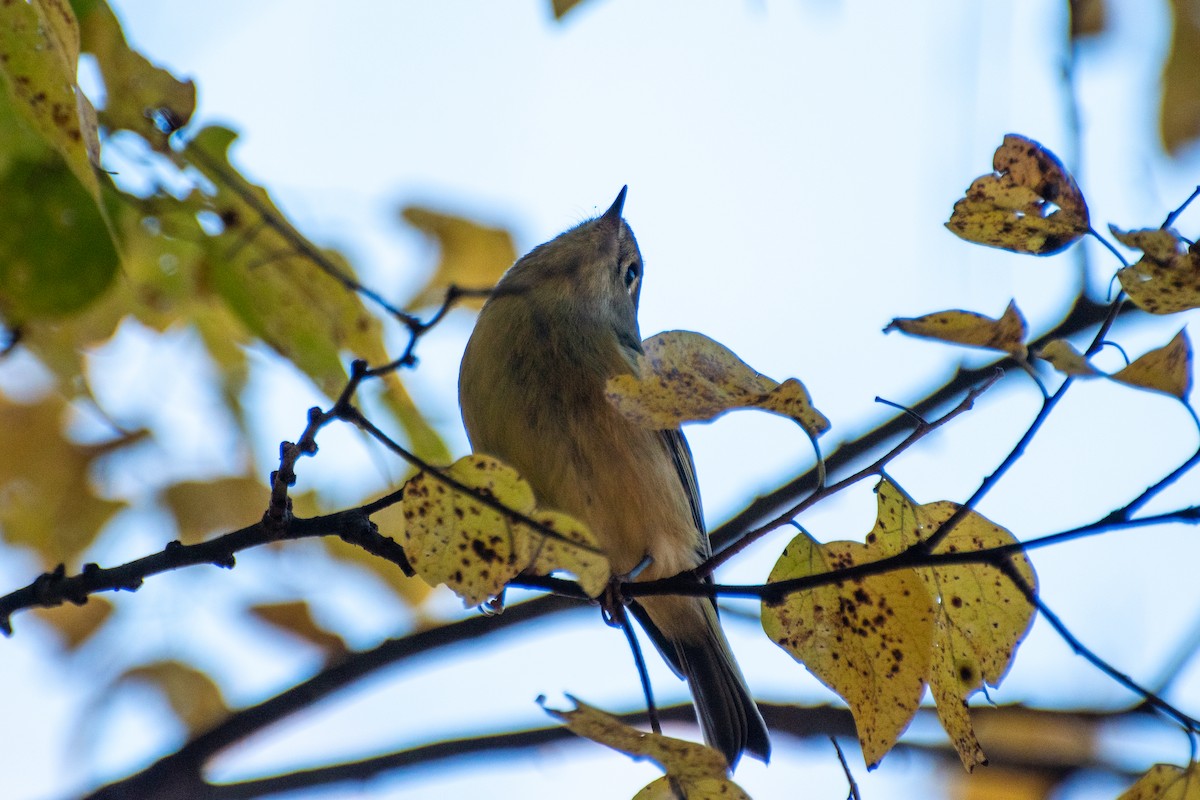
[[557, 326]]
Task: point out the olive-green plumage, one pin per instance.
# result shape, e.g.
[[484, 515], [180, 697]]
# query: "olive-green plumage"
[[561, 322]]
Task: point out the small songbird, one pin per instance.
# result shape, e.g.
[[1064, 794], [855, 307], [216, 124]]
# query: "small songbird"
[[561, 322]]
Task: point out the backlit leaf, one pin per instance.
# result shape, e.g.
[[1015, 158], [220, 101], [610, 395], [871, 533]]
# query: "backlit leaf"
[[1165, 369], [980, 615], [1179, 111], [1006, 334], [39, 55], [1166, 782], [193, 696], [1167, 277], [474, 256], [76, 624], [295, 617], [700, 771], [1063, 356], [221, 505], [1029, 204], [870, 640], [687, 377], [140, 96]]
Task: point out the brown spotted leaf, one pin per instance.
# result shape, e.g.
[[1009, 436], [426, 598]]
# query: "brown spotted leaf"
[[1063, 356], [1167, 369], [1166, 279], [1006, 334], [700, 771], [980, 616], [870, 640], [1029, 204], [39, 56], [453, 538], [688, 377], [1166, 782]]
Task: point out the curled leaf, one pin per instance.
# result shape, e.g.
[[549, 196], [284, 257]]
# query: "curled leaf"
[[1166, 782], [1166, 369], [700, 771], [688, 377], [1166, 279], [1063, 356], [1006, 334], [1029, 204]]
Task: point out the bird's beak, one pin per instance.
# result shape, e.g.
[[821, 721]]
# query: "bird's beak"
[[613, 215]]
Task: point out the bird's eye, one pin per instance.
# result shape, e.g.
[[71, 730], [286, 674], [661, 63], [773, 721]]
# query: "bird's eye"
[[631, 275]]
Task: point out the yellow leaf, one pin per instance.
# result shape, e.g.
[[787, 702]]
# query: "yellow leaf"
[[1167, 369], [224, 504], [980, 615], [1088, 18], [1006, 334], [561, 7], [1166, 782], [139, 94], [590, 567], [47, 501], [39, 55], [76, 624], [411, 590], [1179, 112], [1014, 208], [870, 640], [193, 696], [296, 618], [700, 771], [474, 256], [285, 298], [1063, 356], [453, 538], [686, 377], [1167, 277]]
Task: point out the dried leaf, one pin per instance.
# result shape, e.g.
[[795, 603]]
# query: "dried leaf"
[[1166, 782], [474, 256], [686, 377], [700, 771], [76, 624], [1006, 334], [870, 640], [224, 504], [1179, 112], [47, 501], [296, 618], [1166, 369], [193, 696], [1063, 356], [1167, 277], [590, 567], [1014, 208], [561, 7]]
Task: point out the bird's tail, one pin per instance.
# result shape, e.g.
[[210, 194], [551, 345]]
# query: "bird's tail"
[[728, 715]]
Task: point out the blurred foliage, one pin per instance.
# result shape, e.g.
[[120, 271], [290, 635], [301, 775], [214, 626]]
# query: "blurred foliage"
[[181, 240]]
